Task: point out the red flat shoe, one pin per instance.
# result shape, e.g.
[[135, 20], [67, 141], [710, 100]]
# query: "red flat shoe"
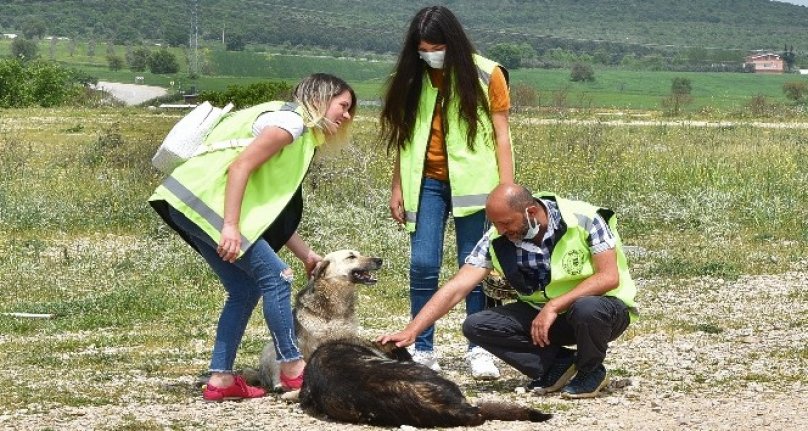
[[291, 383], [237, 391]]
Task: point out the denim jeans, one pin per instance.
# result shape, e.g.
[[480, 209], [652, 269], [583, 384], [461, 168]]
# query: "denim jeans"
[[256, 275], [426, 251]]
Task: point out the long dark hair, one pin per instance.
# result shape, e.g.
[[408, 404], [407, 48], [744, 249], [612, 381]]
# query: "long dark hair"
[[435, 25]]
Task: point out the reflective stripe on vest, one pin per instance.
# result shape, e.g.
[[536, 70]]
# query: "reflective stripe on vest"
[[472, 175], [201, 208], [197, 187]]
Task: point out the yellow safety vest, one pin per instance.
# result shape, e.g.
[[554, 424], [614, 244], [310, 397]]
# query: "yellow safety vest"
[[570, 259], [472, 175], [197, 187]]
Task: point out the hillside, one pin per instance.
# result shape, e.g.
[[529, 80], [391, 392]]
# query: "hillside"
[[378, 25]]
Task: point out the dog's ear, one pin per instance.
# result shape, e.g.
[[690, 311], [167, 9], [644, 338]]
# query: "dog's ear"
[[319, 270]]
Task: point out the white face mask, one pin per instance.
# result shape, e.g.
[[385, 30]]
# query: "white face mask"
[[433, 58], [532, 229]]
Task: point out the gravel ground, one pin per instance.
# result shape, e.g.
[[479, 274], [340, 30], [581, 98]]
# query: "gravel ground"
[[708, 355]]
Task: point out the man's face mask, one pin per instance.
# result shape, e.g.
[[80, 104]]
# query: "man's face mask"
[[433, 58], [532, 229]]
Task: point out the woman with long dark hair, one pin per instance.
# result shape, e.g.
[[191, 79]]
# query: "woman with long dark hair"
[[445, 117]]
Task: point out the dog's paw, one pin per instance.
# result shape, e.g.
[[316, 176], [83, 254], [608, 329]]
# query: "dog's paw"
[[291, 396]]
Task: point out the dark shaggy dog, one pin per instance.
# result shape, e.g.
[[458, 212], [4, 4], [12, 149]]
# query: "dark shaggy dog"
[[353, 380]]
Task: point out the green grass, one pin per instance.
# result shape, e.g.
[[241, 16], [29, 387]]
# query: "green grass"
[[619, 88]]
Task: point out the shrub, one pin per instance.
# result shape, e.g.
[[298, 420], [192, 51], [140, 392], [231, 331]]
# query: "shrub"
[[795, 90], [24, 49], [681, 86], [163, 61], [523, 95], [115, 63], [582, 72], [35, 83], [253, 94], [138, 59], [759, 106]]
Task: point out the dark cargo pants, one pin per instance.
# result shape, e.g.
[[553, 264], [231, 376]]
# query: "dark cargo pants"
[[590, 323]]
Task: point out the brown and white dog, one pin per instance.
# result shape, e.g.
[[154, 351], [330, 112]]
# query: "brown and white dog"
[[325, 309]]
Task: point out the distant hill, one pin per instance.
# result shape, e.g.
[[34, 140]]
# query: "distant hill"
[[378, 25]]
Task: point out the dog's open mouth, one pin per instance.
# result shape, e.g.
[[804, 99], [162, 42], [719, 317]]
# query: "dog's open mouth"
[[363, 277]]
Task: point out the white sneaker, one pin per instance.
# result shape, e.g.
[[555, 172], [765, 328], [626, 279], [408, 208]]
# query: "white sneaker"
[[481, 364], [426, 358]]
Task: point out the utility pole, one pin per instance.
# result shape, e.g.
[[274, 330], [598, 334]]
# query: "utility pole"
[[223, 25], [193, 44]]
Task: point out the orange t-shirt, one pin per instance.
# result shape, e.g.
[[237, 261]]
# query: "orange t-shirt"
[[436, 166]]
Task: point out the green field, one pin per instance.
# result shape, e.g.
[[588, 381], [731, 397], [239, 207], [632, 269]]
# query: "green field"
[[717, 93], [627, 89]]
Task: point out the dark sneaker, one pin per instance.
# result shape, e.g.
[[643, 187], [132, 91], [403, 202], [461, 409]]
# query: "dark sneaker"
[[586, 385], [559, 374], [237, 391]]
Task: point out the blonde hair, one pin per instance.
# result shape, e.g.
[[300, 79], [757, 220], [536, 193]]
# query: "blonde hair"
[[314, 93]]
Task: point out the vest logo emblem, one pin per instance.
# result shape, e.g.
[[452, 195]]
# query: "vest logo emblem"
[[573, 262]]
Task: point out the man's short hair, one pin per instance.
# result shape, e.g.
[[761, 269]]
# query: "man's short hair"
[[520, 199]]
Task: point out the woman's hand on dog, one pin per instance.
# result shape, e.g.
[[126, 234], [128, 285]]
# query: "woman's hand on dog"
[[310, 262]]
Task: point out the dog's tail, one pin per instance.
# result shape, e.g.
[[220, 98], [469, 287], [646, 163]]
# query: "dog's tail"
[[510, 412]]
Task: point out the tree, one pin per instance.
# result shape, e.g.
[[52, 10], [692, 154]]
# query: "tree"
[[34, 28], [507, 54], [679, 97], [681, 86], [796, 90], [235, 42], [138, 59], [582, 72], [52, 48], [789, 58], [115, 63], [163, 61], [175, 35], [24, 49]]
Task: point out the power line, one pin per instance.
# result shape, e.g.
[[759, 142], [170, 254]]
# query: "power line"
[[193, 43]]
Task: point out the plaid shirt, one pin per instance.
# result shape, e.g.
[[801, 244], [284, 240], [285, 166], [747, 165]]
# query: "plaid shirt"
[[536, 259]]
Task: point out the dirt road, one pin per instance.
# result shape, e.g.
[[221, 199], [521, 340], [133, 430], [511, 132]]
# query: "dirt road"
[[131, 94]]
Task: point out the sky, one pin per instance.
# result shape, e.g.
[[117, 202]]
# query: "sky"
[[799, 2]]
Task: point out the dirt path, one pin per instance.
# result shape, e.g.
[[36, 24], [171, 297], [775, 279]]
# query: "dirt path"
[[706, 356], [674, 123], [131, 94]]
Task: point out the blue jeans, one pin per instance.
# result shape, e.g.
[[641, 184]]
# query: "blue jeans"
[[426, 251], [256, 275]]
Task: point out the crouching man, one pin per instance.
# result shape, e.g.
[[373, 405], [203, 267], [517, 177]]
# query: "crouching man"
[[565, 261]]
